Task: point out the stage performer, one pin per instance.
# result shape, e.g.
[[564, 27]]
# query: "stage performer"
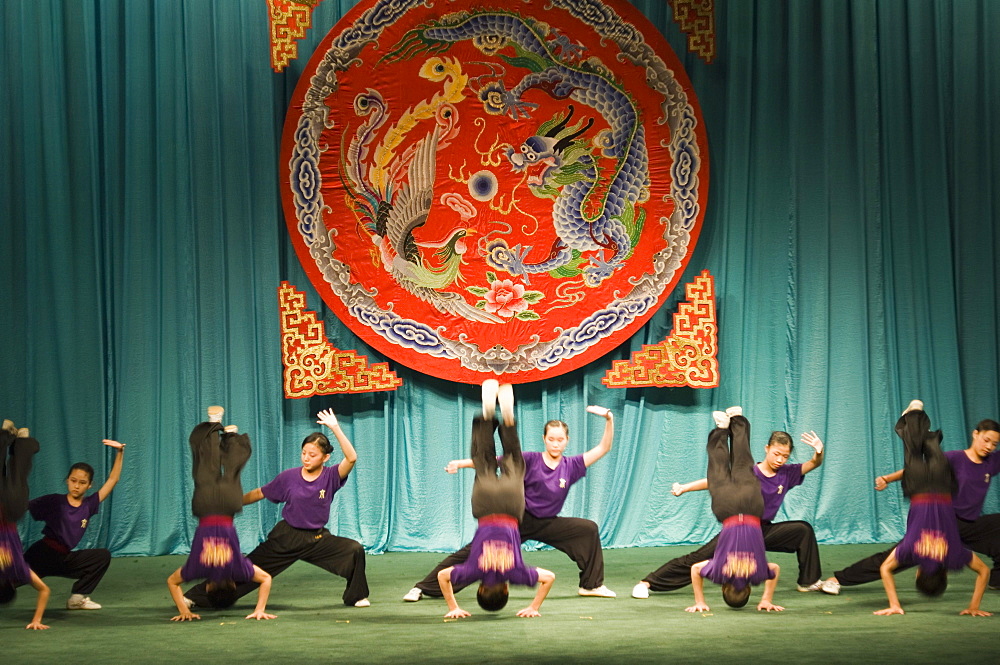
[[739, 560], [17, 447], [931, 541], [547, 479], [66, 518], [301, 535], [973, 468], [218, 455], [498, 503], [776, 477]]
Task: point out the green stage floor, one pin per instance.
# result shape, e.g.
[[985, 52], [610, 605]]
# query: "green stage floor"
[[314, 627]]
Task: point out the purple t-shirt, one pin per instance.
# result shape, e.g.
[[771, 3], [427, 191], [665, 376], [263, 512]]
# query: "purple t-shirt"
[[307, 504], [740, 558], [64, 523], [545, 489], [495, 557], [773, 489], [932, 538], [13, 568], [973, 481], [215, 553]]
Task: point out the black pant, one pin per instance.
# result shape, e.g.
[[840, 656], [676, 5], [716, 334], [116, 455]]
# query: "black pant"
[[15, 465], [285, 545], [925, 468], [87, 567], [217, 459], [794, 536], [731, 480], [494, 494]]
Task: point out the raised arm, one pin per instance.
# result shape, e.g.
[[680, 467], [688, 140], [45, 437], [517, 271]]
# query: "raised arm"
[[116, 470], [693, 486], [814, 442], [602, 448], [328, 418], [982, 579], [456, 464], [881, 482]]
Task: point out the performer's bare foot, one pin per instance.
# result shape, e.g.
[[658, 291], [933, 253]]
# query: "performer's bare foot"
[[506, 397], [490, 387], [215, 414]]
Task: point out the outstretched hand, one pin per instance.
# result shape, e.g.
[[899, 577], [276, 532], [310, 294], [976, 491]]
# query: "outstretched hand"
[[261, 614], [890, 610], [457, 613], [327, 417], [697, 607], [529, 612], [813, 441], [36, 625], [975, 613], [767, 606], [113, 444], [187, 616]]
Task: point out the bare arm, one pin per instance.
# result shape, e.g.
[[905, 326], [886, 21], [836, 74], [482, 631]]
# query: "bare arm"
[[328, 418], [698, 586], [881, 482], [43, 599], [174, 584], [454, 611], [456, 464], [602, 448], [264, 580], [982, 579], [253, 496], [765, 604], [116, 470], [693, 486], [889, 582], [545, 580], [814, 442]]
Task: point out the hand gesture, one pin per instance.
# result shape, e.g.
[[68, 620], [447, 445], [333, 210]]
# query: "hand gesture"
[[880, 483], [768, 606], [457, 613], [452, 466], [600, 411], [327, 417], [113, 444], [187, 615], [813, 441], [261, 614], [895, 609], [677, 489]]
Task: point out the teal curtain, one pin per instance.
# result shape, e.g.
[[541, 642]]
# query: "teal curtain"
[[851, 229]]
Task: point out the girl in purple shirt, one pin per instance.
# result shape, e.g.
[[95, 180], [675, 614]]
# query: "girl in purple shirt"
[[66, 518], [301, 535]]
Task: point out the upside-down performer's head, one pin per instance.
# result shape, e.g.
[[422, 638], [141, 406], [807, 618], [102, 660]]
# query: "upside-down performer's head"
[[932, 583], [492, 597], [221, 593], [735, 597]]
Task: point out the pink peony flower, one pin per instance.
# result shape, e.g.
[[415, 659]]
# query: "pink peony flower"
[[505, 298]]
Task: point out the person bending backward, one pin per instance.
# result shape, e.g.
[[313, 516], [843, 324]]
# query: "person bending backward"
[[301, 535], [973, 470], [739, 560], [66, 518], [547, 479], [498, 504], [217, 458], [931, 541], [16, 450], [776, 477]]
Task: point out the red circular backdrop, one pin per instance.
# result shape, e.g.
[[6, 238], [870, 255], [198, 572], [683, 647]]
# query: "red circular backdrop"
[[494, 190]]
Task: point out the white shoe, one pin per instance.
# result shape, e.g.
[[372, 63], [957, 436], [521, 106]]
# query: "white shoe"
[[640, 591], [364, 602], [505, 394], [831, 586], [815, 586], [413, 595], [231, 429], [215, 414], [721, 419], [734, 411], [915, 405], [188, 602], [598, 592], [80, 602], [490, 388]]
